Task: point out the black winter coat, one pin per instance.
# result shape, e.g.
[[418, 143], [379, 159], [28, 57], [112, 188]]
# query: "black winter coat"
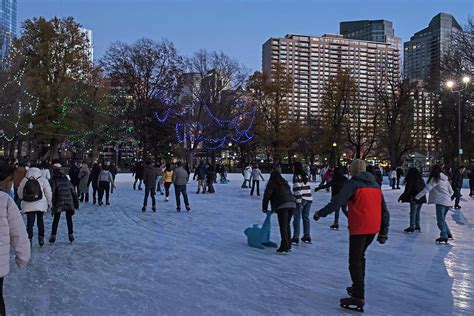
[[74, 175], [200, 172], [412, 188], [64, 196], [277, 195], [150, 175], [335, 184], [211, 176], [457, 180]]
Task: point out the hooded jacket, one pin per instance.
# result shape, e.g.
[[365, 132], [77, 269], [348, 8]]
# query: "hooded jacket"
[[368, 213], [412, 188], [440, 191], [46, 200]]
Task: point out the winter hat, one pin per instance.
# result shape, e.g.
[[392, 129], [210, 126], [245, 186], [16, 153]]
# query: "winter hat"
[[357, 165], [57, 166]]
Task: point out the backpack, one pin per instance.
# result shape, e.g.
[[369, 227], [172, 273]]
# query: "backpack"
[[32, 191]]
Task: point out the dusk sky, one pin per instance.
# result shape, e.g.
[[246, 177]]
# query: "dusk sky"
[[236, 27]]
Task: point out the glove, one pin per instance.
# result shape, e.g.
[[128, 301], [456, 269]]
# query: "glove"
[[382, 239], [316, 216]]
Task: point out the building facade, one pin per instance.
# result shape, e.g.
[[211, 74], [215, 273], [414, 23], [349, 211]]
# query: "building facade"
[[8, 27]]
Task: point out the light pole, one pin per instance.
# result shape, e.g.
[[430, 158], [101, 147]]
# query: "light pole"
[[30, 128], [334, 145], [451, 85]]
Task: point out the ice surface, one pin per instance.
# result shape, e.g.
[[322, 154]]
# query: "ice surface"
[[124, 262]]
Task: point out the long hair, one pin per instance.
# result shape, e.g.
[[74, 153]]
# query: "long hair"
[[275, 177], [413, 175], [299, 171], [435, 174]]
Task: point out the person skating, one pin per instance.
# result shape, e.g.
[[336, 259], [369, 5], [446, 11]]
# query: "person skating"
[[377, 173], [414, 184], [74, 175], [256, 176], [18, 175], [367, 216], [278, 193], [12, 235], [84, 174], [150, 177], [457, 183], [200, 175], [440, 192], [399, 172], [337, 182], [64, 200], [137, 172], [159, 179], [210, 177], [45, 170], [180, 180], [167, 181], [471, 181], [114, 171], [94, 181], [393, 179], [36, 196], [105, 182], [304, 198], [247, 173]]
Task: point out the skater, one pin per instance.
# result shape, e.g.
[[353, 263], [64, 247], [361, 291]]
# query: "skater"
[[328, 177], [167, 181], [256, 176], [471, 181], [210, 178], [105, 182], [200, 174], [399, 172], [314, 172], [393, 179], [377, 173], [247, 173], [303, 197], [160, 174], [84, 174], [18, 175], [336, 184], [64, 200], [137, 172], [440, 192], [457, 183], [74, 176], [180, 180], [94, 180], [368, 215], [45, 170], [278, 193], [12, 235], [35, 193], [150, 176], [114, 171], [414, 184]]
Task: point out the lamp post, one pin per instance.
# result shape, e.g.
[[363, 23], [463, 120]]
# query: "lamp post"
[[30, 128], [451, 85], [334, 145]]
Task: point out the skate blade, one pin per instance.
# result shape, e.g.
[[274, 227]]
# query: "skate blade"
[[353, 308]]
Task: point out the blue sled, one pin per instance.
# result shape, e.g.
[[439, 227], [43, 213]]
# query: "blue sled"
[[260, 237]]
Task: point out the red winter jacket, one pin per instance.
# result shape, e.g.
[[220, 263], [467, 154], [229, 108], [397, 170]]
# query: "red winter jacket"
[[368, 213]]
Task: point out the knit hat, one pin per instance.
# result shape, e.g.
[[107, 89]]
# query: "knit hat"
[[57, 166], [357, 165]]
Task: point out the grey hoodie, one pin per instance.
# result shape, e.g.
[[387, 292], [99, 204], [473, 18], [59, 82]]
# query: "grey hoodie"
[[180, 176]]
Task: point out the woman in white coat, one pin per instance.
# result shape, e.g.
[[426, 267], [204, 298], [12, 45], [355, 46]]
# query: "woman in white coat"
[[12, 233], [35, 210], [440, 191]]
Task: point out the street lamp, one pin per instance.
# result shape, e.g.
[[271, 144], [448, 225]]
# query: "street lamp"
[[30, 128], [451, 85], [334, 145]]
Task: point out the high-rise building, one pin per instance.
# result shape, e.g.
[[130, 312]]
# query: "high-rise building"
[[8, 16], [371, 30], [423, 52], [312, 60], [90, 50]]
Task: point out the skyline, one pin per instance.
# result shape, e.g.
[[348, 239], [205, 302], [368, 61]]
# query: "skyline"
[[192, 26]]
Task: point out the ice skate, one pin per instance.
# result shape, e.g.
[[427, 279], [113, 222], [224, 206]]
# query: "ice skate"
[[418, 229], [52, 239], [71, 238], [409, 230], [153, 208], [306, 239], [188, 208], [178, 209], [353, 303], [450, 236], [295, 240], [282, 251], [167, 199], [349, 291], [144, 209], [441, 240], [334, 226], [41, 241]]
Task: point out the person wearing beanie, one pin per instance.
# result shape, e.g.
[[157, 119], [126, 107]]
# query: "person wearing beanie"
[[367, 216]]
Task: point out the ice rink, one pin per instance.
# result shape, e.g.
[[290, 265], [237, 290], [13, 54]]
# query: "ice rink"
[[124, 262]]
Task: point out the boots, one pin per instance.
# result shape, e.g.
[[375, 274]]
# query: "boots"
[[87, 198], [52, 239], [153, 208], [71, 237], [144, 209], [41, 241]]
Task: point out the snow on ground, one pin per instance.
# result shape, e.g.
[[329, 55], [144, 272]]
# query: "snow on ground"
[[124, 262]]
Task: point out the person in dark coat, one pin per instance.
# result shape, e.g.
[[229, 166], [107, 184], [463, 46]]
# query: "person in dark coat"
[[210, 178], [279, 194], [137, 172], [414, 184], [94, 180], [457, 183], [337, 182], [150, 176], [64, 200], [471, 181], [74, 175], [200, 174], [377, 173], [113, 170], [399, 176]]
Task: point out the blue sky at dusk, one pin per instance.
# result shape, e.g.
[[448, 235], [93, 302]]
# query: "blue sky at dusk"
[[236, 27]]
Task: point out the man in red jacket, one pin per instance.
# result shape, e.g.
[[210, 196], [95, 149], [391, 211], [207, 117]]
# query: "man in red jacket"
[[367, 216]]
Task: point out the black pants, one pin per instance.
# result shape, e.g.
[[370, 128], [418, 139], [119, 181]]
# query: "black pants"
[[95, 190], [357, 246], [30, 223], [284, 219], [210, 186], [84, 197], [149, 191], [16, 198], [104, 187], [398, 183], [178, 190], [471, 187], [57, 217], [257, 183], [2, 302], [139, 183], [167, 188]]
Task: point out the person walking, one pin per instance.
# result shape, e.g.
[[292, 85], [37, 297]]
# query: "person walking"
[[94, 180], [159, 178], [83, 176], [167, 181], [471, 181], [457, 183], [36, 196], [393, 178], [368, 216], [74, 176], [105, 182], [337, 182], [303, 197], [64, 199], [376, 172], [399, 172], [138, 173], [256, 176], [210, 177], [200, 174], [114, 171], [247, 173], [414, 184], [180, 180], [45, 170], [278, 193], [12, 235], [150, 176], [440, 192], [18, 175]]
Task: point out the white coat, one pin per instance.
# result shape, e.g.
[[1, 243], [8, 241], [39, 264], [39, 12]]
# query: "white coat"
[[12, 233], [41, 205], [440, 191], [247, 173]]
